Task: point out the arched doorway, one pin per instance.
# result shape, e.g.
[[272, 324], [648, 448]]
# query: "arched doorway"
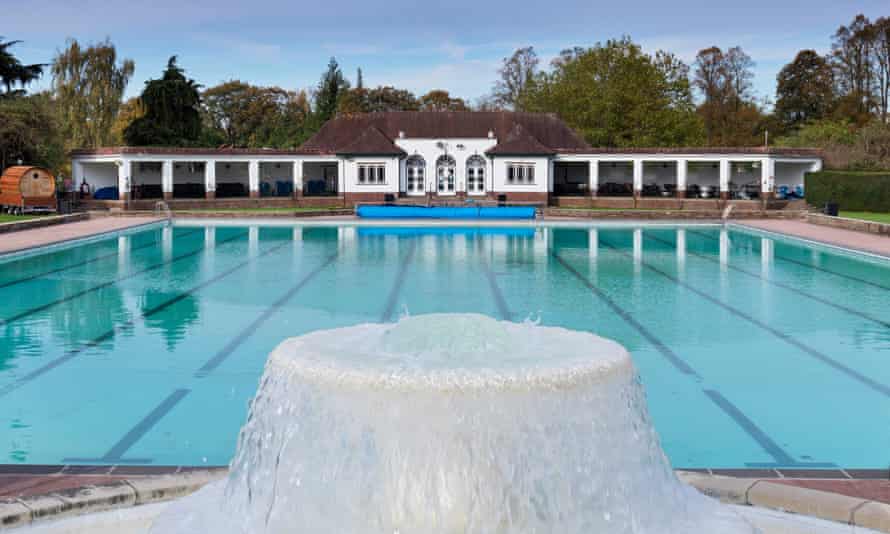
[[476, 176], [445, 167], [415, 169]]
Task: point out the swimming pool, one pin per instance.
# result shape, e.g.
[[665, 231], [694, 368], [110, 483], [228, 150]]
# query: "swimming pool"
[[145, 348]]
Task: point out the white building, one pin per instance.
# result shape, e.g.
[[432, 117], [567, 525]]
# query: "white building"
[[441, 157]]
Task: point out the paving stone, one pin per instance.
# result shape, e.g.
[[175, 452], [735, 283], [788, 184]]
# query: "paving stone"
[[166, 487], [874, 515], [726, 489], [97, 498], [803, 501], [13, 514], [44, 506]]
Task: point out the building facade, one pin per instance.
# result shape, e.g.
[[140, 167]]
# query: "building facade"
[[440, 157]]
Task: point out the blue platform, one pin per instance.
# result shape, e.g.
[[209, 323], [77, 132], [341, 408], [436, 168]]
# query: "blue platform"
[[445, 212]]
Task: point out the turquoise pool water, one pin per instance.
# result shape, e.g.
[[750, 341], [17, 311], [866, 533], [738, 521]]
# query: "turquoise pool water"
[[146, 348]]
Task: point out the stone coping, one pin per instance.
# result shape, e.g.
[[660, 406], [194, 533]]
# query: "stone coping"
[[137, 490], [42, 221], [857, 225]]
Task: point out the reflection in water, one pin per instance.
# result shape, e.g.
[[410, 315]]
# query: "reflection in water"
[[681, 253], [174, 321]]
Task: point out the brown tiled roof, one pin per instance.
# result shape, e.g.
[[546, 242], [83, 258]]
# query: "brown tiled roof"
[[754, 150], [343, 130], [370, 142], [520, 142]]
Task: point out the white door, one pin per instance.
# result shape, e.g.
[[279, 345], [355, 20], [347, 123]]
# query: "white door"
[[414, 169], [445, 175]]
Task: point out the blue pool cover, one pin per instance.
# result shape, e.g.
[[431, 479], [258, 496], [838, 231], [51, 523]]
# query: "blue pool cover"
[[445, 212]]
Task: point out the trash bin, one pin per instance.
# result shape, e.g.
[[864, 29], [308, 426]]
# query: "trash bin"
[[831, 208]]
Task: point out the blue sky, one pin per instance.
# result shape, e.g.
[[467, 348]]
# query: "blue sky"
[[456, 45]]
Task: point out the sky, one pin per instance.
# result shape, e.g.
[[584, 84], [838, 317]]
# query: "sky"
[[456, 45]]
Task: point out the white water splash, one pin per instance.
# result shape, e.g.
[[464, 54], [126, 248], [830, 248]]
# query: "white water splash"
[[443, 424]]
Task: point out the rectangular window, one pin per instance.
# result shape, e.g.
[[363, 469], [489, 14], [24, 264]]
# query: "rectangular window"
[[521, 173], [371, 174]]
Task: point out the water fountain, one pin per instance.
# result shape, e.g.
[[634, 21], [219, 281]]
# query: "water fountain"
[[449, 424]]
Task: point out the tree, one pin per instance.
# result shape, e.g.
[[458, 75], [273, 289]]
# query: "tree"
[[172, 115], [730, 114], [29, 132], [515, 74], [130, 110], [13, 73], [882, 61], [804, 90], [250, 116], [359, 80], [331, 88], [852, 57], [378, 99], [615, 95], [89, 85], [441, 100]]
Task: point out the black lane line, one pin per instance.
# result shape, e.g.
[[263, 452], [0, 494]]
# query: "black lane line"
[[44, 307], [824, 358], [242, 336], [808, 265], [86, 262], [499, 299], [393, 299], [128, 324], [781, 457], [663, 349], [116, 453], [783, 285]]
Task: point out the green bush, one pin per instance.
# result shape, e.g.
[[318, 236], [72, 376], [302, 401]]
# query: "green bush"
[[853, 191]]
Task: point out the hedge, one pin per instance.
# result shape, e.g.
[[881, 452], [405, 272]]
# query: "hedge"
[[853, 191]]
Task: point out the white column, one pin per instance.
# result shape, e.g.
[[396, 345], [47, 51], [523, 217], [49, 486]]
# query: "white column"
[[76, 173], [209, 177], [167, 178], [638, 176], [298, 176], [123, 179], [724, 175], [253, 177], [341, 177], [594, 176], [767, 176], [682, 172]]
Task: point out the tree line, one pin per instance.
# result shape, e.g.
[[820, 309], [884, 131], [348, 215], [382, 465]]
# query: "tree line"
[[613, 93]]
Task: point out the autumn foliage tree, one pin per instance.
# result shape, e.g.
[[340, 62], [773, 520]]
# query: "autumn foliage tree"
[[804, 90], [246, 115], [729, 111]]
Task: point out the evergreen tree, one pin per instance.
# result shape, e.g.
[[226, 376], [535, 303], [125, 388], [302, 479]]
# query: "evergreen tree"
[[13, 73], [331, 87], [172, 115]]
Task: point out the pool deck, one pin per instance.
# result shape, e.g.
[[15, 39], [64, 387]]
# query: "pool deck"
[[861, 241], [39, 237]]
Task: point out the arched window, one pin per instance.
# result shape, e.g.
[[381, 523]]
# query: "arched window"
[[475, 175], [415, 167], [445, 174]]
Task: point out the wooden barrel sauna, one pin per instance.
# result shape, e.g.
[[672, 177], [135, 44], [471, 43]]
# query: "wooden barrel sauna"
[[25, 188]]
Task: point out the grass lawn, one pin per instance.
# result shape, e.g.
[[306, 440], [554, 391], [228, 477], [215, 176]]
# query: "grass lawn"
[[4, 218], [867, 216]]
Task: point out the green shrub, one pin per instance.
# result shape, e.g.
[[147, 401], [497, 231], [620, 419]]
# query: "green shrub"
[[853, 191]]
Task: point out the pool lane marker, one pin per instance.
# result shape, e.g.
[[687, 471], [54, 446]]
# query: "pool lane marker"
[[781, 457], [806, 349], [776, 283], [5, 390], [809, 265], [115, 454], [747, 425], [393, 299], [48, 305], [87, 262], [242, 336], [663, 349]]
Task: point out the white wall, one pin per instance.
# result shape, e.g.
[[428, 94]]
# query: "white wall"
[[188, 173], [791, 173], [621, 173], [392, 176], [145, 174], [542, 177], [460, 149]]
